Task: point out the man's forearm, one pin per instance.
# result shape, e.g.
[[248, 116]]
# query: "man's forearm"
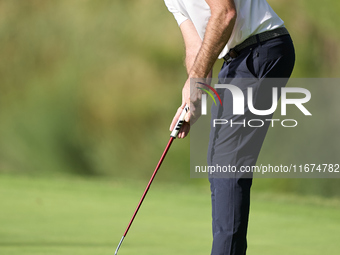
[[218, 32], [190, 60]]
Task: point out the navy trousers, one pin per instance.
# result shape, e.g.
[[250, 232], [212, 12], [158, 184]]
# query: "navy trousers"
[[238, 145]]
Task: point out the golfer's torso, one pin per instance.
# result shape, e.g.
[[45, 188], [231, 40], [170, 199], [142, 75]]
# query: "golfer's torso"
[[253, 17]]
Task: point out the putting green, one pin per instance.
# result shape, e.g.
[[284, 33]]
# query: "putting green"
[[78, 216]]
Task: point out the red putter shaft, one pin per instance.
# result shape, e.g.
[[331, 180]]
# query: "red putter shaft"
[[172, 137], [149, 184], [146, 191]]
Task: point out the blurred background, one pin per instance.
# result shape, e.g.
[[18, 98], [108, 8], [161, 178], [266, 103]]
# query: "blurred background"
[[90, 87], [87, 92]]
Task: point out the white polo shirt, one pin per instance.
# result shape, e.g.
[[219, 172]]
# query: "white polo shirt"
[[253, 17]]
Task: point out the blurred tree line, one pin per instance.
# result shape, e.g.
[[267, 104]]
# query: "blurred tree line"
[[90, 87]]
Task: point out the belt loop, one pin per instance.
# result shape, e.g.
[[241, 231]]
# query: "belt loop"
[[258, 39]]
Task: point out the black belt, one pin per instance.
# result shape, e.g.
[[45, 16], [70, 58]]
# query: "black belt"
[[255, 39]]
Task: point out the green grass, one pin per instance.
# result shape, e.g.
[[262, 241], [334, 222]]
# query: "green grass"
[[79, 216]]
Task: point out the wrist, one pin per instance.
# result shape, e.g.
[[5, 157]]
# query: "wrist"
[[196, 75]]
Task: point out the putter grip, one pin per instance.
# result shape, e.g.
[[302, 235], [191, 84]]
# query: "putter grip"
[[180, 122]]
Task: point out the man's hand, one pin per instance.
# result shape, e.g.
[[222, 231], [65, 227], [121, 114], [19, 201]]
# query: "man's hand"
[[190, 96]]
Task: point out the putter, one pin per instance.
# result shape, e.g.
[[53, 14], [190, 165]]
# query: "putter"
[[173, 135]]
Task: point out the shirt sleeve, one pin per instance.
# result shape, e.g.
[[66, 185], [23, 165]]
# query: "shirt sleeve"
[[173, 7]]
